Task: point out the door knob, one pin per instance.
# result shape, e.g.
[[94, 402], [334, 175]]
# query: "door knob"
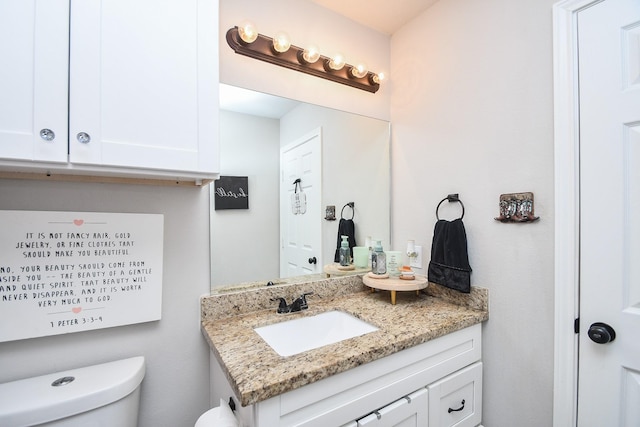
[[313, 260], [601, 333]]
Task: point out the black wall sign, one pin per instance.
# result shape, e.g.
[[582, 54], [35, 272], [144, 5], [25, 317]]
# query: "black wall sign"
[[231, 192]]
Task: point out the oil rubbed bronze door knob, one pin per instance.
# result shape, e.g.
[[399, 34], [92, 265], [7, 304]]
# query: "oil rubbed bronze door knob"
[[601, 333]]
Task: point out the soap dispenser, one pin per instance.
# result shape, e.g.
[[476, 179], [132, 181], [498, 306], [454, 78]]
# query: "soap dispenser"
[[345, 251], [378, 260]]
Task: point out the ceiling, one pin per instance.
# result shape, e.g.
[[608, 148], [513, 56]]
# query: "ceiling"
[[384, 16]]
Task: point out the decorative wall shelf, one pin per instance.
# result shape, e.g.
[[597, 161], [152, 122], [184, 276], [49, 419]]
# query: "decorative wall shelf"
[[517, 207]]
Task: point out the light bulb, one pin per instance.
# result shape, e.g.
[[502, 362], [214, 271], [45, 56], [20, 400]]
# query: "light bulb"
[[359, 71], [281, 42], [248, 32], [337, 62], [311, 54], [377, 78]]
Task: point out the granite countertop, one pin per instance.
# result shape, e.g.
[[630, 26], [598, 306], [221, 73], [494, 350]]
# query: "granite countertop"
[[256, 372]]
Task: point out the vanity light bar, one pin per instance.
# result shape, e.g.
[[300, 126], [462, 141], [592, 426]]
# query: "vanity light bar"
[[262, 48]]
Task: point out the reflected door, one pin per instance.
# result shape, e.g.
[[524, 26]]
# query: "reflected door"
[[300, 212], [609, 365]]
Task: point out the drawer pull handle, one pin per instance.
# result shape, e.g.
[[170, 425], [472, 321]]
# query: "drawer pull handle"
[[459, 409]]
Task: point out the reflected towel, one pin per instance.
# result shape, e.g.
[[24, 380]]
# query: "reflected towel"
[[346, 227]]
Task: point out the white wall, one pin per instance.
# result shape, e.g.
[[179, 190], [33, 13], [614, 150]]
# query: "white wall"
[[355, 168], [247, 241], [472, 114], [175, 390], [305, 22]]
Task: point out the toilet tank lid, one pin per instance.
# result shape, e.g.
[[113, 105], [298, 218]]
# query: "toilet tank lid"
[[35, 400]]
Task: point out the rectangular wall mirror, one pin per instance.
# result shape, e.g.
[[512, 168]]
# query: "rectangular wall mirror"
[[266, 139]]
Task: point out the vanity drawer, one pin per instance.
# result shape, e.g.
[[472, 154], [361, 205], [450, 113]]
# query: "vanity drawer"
[[407, 411], [456, 400]]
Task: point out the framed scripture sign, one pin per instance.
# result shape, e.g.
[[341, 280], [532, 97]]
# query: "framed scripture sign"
[[231, 192], [63, 272]]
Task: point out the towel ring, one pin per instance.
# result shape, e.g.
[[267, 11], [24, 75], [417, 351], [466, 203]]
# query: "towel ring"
[[450, 198], [350, 204]]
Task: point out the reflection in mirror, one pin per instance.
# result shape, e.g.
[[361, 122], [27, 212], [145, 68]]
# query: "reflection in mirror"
[[256, 131]]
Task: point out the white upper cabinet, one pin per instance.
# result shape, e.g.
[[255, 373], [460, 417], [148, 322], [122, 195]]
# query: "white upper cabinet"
[[34, 64], [137, 70], [142, 93]]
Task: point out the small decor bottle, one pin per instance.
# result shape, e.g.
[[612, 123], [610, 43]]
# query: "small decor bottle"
[[378, 260], [345, 252], [368, 244]]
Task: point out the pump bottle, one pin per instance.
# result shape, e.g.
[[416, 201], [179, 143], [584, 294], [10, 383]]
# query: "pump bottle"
[[345, 251], [378, 260]]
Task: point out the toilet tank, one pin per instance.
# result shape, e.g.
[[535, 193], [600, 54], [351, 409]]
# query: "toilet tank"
[[103, 395]]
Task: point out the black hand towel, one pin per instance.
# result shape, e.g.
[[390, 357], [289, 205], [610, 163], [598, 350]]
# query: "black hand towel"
[[346, 227], [449, 265]]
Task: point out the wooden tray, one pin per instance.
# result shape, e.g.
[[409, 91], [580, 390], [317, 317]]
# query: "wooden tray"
[[395, 284], [336, 269]]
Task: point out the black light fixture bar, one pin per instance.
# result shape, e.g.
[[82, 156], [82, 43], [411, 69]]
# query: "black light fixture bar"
[[262, 49]]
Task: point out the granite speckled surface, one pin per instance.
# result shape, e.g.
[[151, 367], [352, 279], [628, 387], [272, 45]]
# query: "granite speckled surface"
[[256, 372]]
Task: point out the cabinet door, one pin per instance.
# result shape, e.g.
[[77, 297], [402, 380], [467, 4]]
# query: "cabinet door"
[[33, 79], [456, 400], [144, 84], [410, 411]]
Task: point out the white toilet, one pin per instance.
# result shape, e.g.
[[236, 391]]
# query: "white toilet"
[[103, 395]]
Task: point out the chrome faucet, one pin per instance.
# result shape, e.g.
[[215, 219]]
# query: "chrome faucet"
[[298, 304]]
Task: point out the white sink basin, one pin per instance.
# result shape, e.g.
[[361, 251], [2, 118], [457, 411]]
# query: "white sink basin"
[[306, 333]]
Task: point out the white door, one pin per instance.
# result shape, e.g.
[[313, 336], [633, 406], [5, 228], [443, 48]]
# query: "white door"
[[301, 229], [609, 55], [143, 84], [34, 52]]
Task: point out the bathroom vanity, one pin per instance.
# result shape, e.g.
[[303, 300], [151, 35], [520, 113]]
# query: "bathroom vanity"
[[423, 363]]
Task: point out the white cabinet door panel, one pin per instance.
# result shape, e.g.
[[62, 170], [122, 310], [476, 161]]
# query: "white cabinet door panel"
[[142, 84], [456, 400], [34, 79]]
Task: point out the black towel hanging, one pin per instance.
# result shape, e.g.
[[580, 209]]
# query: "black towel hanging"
[[449, 264]]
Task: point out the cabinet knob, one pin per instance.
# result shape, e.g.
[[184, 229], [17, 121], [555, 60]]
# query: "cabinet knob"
[[83, 137], [47, 134]]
